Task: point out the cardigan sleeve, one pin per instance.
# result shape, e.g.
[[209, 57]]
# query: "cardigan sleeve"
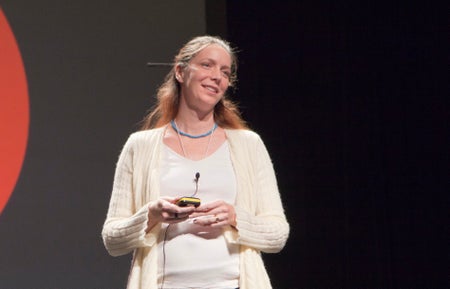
[[261, 224], [125, 225]]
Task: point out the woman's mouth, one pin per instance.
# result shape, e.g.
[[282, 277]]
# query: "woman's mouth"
[[211, 88]]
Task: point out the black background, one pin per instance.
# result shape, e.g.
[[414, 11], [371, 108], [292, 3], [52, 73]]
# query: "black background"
[[349, 98]]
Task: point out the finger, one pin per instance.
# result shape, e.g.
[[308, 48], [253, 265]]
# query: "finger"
[[180, 215], [176, 217], [204, 220], [210, 206], [202, 208], [215, 211], [218, 222], [197, 215], [210, 220], [174, 209]]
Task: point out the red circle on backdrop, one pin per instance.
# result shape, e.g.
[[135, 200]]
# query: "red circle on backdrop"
[[14, 111]]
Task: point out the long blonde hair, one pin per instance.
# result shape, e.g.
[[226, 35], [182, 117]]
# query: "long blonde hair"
[[226, 112]]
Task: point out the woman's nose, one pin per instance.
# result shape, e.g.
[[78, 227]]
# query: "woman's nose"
[[216, 74]]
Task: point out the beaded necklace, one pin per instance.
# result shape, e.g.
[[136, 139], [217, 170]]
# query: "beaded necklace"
[[175, 127]]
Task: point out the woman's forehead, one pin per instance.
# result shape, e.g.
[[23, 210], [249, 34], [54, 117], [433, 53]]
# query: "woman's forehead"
[[214, 52]]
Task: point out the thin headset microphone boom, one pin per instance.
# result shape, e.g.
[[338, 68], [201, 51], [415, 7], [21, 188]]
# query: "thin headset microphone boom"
[[159, 64]]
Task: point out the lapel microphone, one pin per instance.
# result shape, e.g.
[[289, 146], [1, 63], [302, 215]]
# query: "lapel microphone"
[[197, 176]]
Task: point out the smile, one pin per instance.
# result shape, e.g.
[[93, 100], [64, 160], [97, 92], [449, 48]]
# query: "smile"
[[211, 88]]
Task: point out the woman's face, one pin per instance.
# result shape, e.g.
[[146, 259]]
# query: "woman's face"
[[206, 78]]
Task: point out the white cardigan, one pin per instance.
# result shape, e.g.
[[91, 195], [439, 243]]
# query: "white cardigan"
[[261, 223]]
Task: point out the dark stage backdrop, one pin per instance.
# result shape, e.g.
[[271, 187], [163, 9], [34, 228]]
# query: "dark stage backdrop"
[[349, 96], [88, 88], [348, 99]]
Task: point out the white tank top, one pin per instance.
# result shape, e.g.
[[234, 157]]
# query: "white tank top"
[[192, 256]]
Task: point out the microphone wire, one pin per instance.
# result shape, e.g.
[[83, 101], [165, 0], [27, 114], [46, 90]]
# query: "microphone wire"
[[197, 176]]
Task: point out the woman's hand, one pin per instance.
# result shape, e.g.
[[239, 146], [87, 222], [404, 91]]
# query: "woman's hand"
[[164, 210], [215, 214]]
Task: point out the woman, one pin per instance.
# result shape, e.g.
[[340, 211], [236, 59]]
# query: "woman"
[[195, 144]]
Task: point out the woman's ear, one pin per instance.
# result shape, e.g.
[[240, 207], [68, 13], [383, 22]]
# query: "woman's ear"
[[179, 72]]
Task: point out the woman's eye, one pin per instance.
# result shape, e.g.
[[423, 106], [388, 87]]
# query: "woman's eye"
[[207, 65], [226, 74]]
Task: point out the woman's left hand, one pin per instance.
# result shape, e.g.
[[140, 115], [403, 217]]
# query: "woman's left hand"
[[215, 214]]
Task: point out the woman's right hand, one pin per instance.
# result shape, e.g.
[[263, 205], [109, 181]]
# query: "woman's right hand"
[[164, 210]]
